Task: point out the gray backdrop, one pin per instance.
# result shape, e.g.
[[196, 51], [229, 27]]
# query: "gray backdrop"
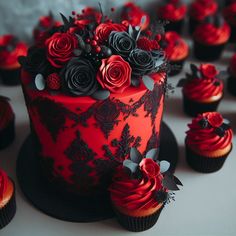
[[20, 16]]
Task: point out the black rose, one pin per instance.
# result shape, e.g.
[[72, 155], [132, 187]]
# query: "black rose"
[[79, 77], [142, 62], [121, 43], [107, 112], [35, 62]]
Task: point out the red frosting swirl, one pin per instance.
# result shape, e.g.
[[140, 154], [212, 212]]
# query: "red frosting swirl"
[[10, 50], [114, 74], [6, 113], [137, 194], [200, 9], [3, 183], [230, 14], [232, 65], [210, 34], [176, 48], [206, 139], [172, 11], [133, 14]]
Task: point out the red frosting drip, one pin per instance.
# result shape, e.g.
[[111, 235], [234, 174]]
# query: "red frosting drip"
[[200, 9], [230, 14], [232, 66], [176, 48], [172, 11], [209, 34], [201, 89], [206, 139], [135, 194], [3, 183], [133, 14], [8, 58], [6, 113]]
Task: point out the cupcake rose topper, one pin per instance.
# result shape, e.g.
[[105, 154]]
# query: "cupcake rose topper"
[[90, 55], [138, 166]]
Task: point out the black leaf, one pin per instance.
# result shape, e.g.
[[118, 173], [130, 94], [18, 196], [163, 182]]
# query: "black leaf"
[[220, 131], [203, 123], [181, 82]]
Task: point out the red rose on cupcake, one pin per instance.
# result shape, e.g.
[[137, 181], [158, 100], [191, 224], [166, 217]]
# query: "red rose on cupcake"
[[209, 71], [104, 29], [114, 74], [215, 119], [60, 48], [150, 167]]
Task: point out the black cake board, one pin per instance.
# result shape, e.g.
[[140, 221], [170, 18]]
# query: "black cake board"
[[78, 208]]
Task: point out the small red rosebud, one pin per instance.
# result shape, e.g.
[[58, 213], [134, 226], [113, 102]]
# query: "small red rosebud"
[[53, 81], [149, 33]]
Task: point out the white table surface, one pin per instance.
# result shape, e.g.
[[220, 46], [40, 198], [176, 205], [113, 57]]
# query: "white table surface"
[[206, 205]]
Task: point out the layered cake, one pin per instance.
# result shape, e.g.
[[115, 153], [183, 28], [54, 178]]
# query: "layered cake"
[[92, 94]]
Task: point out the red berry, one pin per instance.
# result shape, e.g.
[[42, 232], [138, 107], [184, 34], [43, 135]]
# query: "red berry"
[[87, 40], [112, 9], [158, 37], [53, 81], [98, 49], [94, 43], [96, 38], [73, 13]]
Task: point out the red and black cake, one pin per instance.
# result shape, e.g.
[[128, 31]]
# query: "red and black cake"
[[92, 94]]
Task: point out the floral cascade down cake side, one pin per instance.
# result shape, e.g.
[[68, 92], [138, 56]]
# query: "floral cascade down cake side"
[[92, 93]]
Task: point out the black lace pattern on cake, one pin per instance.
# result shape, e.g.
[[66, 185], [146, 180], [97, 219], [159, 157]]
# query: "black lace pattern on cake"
[[53, 115], [153, 141]]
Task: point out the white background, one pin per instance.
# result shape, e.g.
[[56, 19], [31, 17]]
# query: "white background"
[[205, 206]]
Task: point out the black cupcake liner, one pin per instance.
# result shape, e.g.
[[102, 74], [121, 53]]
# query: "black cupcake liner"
[[232, 38], [137, 224], [8, 211], [193, 108], [7, 135], [10, 77], [192, 25], [204, 164], [176, 26], [207, 52], [176, 67], [231, 85]]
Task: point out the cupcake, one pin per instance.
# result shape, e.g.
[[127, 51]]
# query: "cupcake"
[[208, 142], [231, 80], [7, 123], [228, 2], [139, 190], [7, 199], [210, 38], [229, 13], [45, 24], [10, 49], [174, 12], [202, 90], [176, 50], [199, 10], [135, 15]]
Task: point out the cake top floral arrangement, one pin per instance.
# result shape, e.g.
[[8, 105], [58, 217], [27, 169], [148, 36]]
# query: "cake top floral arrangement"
[[90, 55]]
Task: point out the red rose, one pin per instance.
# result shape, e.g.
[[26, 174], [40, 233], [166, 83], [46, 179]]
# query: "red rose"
[[215, 119], [150, 167], [147, 44], [60, 48], [209, 71], [104, 29], [114, 74]]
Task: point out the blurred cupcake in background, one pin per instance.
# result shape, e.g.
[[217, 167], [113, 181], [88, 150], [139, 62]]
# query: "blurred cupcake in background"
[[7, 199], [173, 11], [135, 15], [199, 10], [231, 80], [228, 2], [7, 123], [44, 25], [208, 142], [10, 49], [229, 14], [210, 38], [176, 50], [202, 90]]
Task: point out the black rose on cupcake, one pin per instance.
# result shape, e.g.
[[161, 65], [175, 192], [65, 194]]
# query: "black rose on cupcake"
[[79, 77], [142, 62], [35, 62], [121, 43]]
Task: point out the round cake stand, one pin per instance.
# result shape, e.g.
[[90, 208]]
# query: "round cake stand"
[[77, 208]]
